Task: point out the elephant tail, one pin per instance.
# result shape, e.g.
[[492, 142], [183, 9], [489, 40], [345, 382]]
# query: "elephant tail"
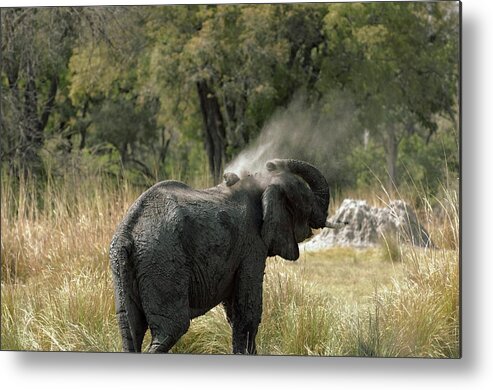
[[127, 301]]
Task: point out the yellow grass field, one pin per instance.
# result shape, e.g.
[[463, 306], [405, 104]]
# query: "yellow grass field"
[[57, 294]]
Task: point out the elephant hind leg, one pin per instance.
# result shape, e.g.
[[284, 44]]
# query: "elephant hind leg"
[[166, 334], [166, 306], [132, 324], [166, 329]]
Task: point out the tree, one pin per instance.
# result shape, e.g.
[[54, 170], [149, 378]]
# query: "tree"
[[241, 62], [163, 91], [37, 45], [400, 63], [35, 48]]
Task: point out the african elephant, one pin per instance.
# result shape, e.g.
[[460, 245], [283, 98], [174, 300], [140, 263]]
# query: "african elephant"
[[179, 251]]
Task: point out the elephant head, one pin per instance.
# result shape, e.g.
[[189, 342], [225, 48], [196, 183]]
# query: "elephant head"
[[295, 200]]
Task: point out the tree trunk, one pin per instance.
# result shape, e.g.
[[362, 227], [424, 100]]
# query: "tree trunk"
[[163, 150], [84, 126], [33, 124], [32, 137], [214, 131], [391, 150], [50, 102]]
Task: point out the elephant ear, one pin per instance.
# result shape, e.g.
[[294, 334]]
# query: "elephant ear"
[[278, 226]]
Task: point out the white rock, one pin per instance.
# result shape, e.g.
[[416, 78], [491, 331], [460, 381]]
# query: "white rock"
[[365, 225]]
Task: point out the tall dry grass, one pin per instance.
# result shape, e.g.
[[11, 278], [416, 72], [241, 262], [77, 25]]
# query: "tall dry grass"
[[57, 291], [56, 288]]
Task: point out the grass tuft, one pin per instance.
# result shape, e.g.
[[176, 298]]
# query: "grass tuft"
[[391, 248]]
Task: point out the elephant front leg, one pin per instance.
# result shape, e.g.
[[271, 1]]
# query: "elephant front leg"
[[244, 311], [244, 325], [244, 338]]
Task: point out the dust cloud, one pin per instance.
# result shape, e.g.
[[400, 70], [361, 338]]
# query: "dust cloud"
[[313, 133]]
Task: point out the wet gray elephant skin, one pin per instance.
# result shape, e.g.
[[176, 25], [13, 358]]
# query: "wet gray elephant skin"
[[179, 251]]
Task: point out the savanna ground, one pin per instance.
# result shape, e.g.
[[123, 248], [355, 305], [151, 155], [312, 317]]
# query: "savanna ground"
[[389, 300]]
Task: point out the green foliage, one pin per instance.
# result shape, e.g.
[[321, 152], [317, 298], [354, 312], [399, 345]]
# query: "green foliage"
[[423, 166], [430, 165], [396, 57], [400, 60], [365, 163], [247, 54], [128, 96]]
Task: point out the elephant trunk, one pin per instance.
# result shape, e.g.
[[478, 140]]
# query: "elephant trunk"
[[314, 179]]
